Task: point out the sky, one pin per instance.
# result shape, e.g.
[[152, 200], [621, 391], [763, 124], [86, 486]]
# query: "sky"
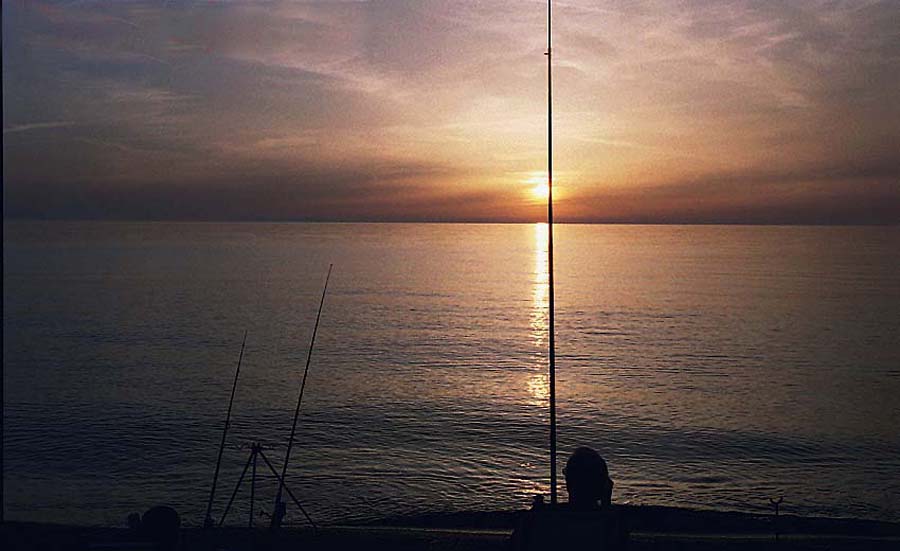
[[712, 111]]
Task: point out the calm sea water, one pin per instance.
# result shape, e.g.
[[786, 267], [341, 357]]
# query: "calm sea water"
[[713, 366]]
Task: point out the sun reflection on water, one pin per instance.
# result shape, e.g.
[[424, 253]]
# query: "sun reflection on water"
[[539, 291], [538, 384], [538, 387]]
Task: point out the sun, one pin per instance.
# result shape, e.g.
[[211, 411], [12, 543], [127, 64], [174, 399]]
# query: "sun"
[[540, 191], [538, 185]]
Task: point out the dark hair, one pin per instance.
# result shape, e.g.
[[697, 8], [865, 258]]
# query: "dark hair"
[[587, 478]]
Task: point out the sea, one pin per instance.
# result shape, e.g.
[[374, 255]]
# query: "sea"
[[714, 367]]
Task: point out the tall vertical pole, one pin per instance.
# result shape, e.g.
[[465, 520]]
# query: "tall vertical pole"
[[551, 328], [2, 420]]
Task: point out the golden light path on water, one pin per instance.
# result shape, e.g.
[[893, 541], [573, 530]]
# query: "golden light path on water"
[[538, 385]]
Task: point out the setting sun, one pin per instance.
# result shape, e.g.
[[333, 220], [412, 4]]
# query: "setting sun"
[[538, 185], [540, 191]]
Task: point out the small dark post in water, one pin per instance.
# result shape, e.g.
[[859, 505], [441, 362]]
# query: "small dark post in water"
[[279, 511], [551, 326], [776, 504], [208, 521]]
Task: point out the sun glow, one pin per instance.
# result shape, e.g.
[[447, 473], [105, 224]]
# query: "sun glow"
[[538, 185]]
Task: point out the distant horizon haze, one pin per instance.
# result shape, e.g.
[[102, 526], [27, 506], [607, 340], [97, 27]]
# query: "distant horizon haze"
[[450, 221]]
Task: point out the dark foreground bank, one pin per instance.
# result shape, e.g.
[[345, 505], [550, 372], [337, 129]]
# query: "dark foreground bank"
[[652, 528]]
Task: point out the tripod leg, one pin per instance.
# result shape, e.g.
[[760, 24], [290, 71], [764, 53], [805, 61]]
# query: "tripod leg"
[[290, 493], [302, 510], [236, 487]]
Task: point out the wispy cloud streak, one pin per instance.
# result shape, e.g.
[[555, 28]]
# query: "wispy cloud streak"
[[35, 126]]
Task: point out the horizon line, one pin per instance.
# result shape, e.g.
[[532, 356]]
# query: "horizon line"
[[14, 219]]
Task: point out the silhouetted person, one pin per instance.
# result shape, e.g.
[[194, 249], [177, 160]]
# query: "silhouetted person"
[[160, 525], [587, 481], [588, 521]]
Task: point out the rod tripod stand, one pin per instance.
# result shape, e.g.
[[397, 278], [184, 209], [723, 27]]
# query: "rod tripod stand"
[[256, 452]]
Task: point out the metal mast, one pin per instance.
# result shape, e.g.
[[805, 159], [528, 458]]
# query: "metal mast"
[[551, 328]]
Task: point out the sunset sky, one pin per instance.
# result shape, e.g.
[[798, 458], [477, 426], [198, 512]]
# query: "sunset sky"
[[718, 111]]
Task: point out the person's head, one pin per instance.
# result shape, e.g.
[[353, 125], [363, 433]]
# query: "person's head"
[[161, 524], [587, 479]]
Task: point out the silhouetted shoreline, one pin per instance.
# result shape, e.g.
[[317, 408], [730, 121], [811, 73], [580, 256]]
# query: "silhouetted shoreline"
[[653, 527], [662, 519]]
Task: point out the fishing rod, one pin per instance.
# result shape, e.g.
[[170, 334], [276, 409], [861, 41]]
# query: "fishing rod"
[[208, 521], [278, 513], [551, 305]]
